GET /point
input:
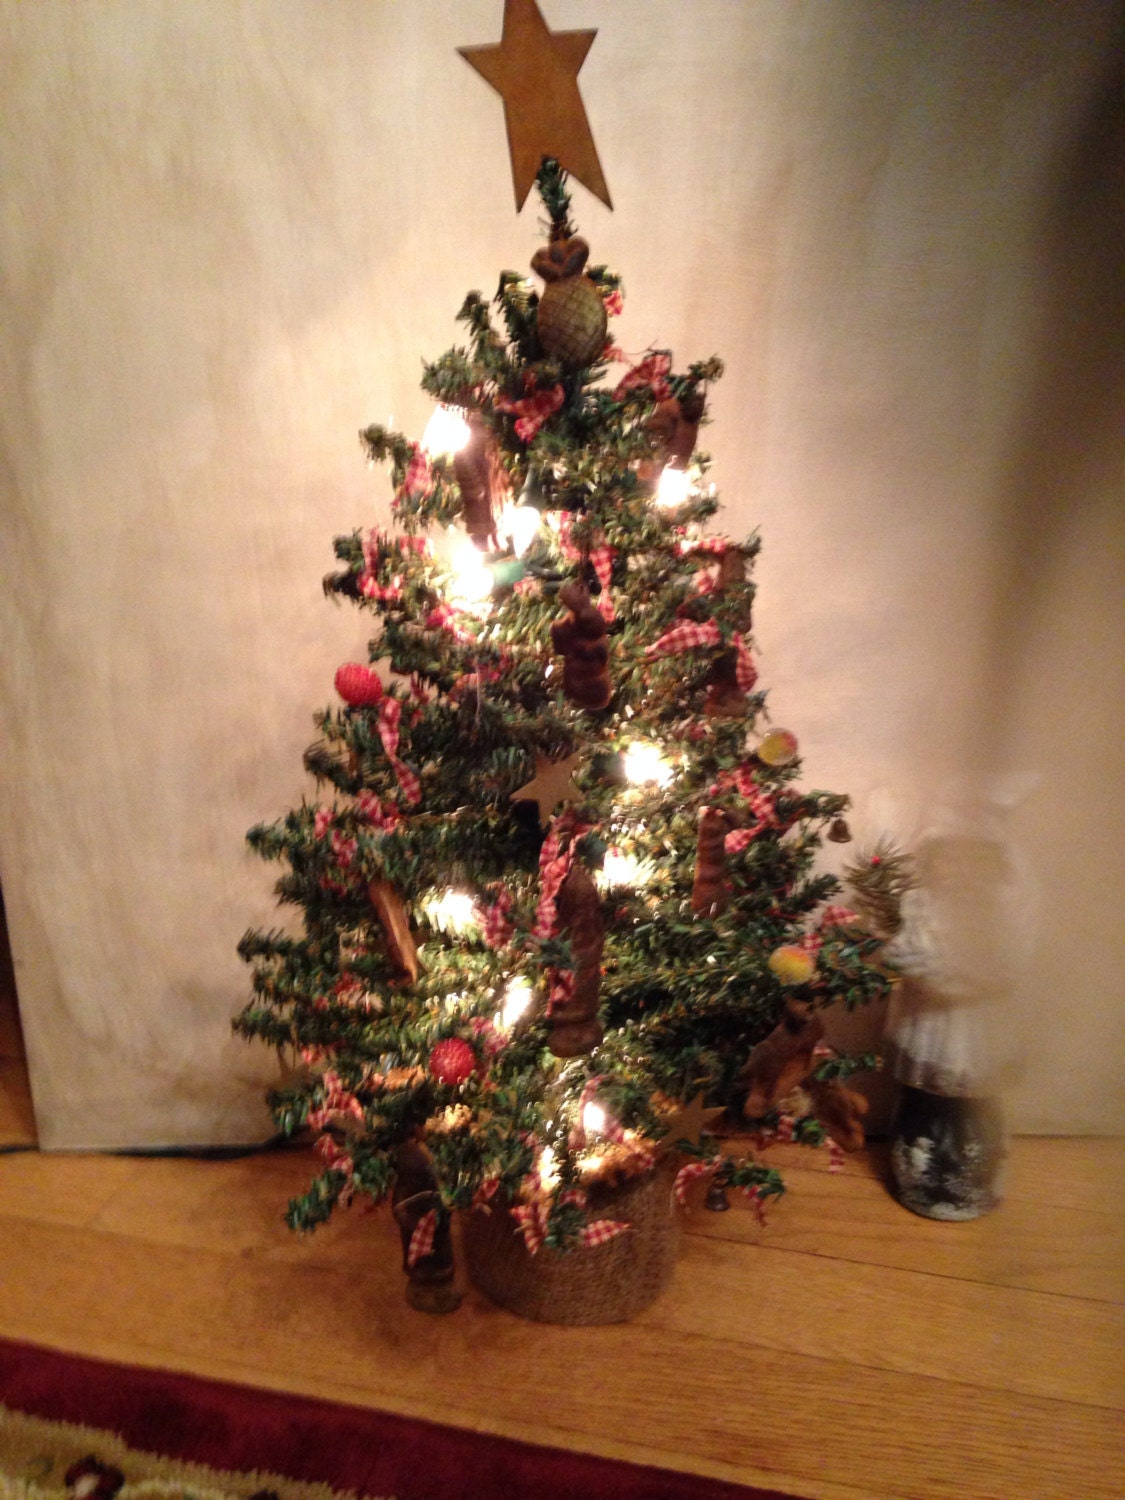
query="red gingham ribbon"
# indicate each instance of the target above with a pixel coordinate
(691, 1172)
(785, 1127)
(835, 1154)
(601, 1231)
(745, 672)
(600, 556)
(445, 617)
(739, 838)
(754, 1198)
(495, 921)
(838, 916)
(418, 480)
(533, 409)
(651, 371)
(422, 1240)
(336, 1159)
(531, 1221)
(390, 711)
(554, 863)
(718, 546)
(686, 637)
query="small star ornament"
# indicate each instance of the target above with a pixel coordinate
(690, 1121)
(552, 783)
(535, 71)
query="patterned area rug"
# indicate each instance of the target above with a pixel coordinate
(80, 1429)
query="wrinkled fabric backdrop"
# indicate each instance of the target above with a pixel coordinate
(232, 229)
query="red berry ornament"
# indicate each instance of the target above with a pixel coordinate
(359, 686)
(452, 1061)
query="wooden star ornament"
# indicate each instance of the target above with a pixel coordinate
(551, 784)
(535, 71)
(689, 1122)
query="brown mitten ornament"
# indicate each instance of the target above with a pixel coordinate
(429, 1287)
(779, 1063)
(483, 482)
(725, 699)
(579, 638)
(710, 892)
(575, 1028)
(572, 318)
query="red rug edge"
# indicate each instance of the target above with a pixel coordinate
(243, 1428)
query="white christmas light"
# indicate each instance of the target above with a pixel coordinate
(548, 1169)
(472, 582)
(593, 1118)
(517, 997)
(452, 911)
(520, 524)
(643, 763)
(621, 869)
(446, 432)
(673, 488)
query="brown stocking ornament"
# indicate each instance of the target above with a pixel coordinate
(710, 892)
(429, 1286)
(580, 639)
(483, 482)
(574, 1023)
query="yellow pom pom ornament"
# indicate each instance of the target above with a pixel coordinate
(792, 965)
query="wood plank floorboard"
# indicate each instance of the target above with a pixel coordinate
(845, 1350)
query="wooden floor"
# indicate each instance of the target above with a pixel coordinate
(846, 1349)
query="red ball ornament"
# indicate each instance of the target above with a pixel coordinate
(359, 686)
(452, 1061)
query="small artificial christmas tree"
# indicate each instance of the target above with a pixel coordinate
(562, 888)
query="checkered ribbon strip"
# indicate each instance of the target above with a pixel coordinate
(786, 1125)
(531, 1221)
(554, 863)
(445, 617)
(600, 557)
(754, 1198)
(835, 1154)
(718, 546)
(496, 923)
(422, 1240)
(838, 916)
(390, 712)
(745, 672)
(418, 481)
(691, 1172)
(336, 1159)
(687, 636)
(601, 1231)
(739, 838)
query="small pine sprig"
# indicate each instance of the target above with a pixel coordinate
(551, 181)
(876, 883)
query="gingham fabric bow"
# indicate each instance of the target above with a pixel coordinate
(422, 1240)
(390, 712)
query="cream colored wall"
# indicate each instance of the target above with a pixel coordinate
(230, 231)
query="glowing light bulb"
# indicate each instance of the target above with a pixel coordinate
(593, 1118)
(643, 763)
(673, 488)
(520, 524)
(446, 432)
(621, 869)
(452, 911)
(548, 1168)
(472, 581)
(517, 998)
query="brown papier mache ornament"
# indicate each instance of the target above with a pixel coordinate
(710, 891)
(580, 639)
(395, 922)
(673, 429)
(429, 1286)
(483, 483)
(575, 1027)
(572, 318)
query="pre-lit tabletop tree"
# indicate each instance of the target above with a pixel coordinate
(560, 886)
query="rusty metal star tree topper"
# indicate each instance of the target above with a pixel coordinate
(535, 71)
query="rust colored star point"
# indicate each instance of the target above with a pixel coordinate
(535, 71)
(552, 783)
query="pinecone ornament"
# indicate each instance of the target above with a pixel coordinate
(572, 318)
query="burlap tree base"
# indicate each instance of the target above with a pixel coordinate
(599, 1284)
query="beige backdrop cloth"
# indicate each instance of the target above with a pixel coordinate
(231, 230)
